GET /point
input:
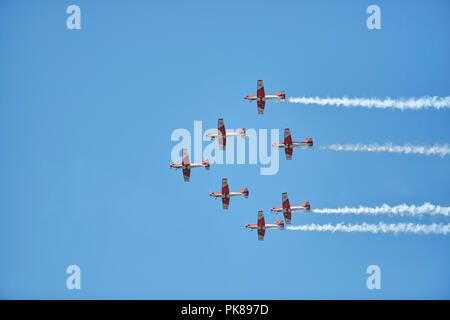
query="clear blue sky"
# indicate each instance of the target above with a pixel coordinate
(85, 123)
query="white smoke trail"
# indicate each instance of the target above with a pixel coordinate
(441, 150)
(376, 228)
(402, 104)
(400, 210)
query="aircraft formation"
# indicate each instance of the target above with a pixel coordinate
(288, 145)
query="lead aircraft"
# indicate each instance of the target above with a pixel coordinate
(186, 165)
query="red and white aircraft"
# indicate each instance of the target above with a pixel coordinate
(261, 97)
(289, 145)
(261, 226)
(287, 208)
(222, 134)
(226, 194)
(186, 165)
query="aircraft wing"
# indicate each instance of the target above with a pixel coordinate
(261, 105)
(286, 207)
(185, 160)
(287, 136)
(261, 233)
(225, 202)
(226, 193)
(221, 126)
(222, 134)
(288, 144)
(285, 200)
(186, 164)
(261, 97)
(260, 89)
(287, 216)
(222, 142)
(261, 226)
(225, 189)
(288, 151)
(187, 174)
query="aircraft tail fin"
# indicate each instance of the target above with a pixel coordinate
(206, 164)
(309, 142)
(306, 205)
(282, 95)
(244, 191)
(242, 132)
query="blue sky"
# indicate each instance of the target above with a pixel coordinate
(85, 125)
